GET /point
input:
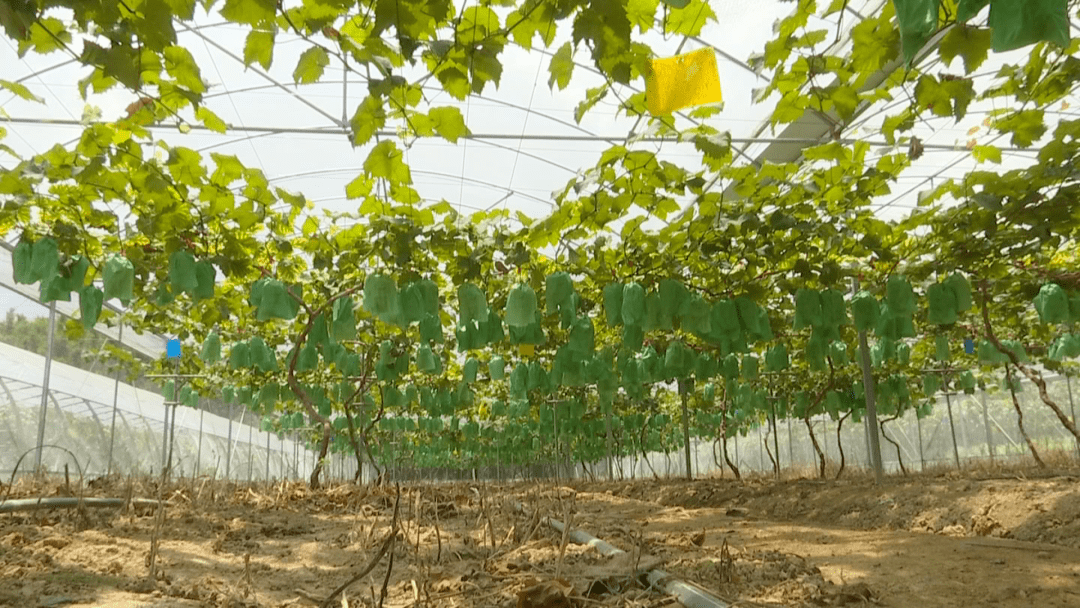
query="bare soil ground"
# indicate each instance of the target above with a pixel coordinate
(926, 541)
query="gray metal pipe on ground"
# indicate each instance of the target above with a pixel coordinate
(688, 594)
(41, 504)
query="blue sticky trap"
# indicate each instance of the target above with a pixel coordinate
(969, 346)
(172, 349)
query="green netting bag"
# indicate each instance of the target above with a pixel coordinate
(748, 317)
(168, 390)
(262, 356)
(557, 290)
(988, 353)
(425, 360)
(119, 279)
(724, 320)
(833, 308)
(239, 356)
(900, 296)
(967, 382)
(472, 303)
(430, 292)
(535, 379)
(308, 358)
(519, 379)
(185, 394)
(205, 278)
(468, 337)
(730, 368)
(343, 320)
(273, 301)
(1017, 349)
(674, 301)
(807, 308)
(696, 316)
(228, 394)
(633, 337)
(412, 303)
(776, 358)
(582, 339)
(941, 348)
(633, 304)
(865, 311)
(182, 272)
(749, 367)
(652, 320)
(469, 370)
(882, 350)
(764, 325)
(243, 395)
(678, 360)
(1070, 346)
(1018, 23)
(931, 383)
(961, 289)
(57, 287)
(162, 296)
(76, 271)
(431, 329)
(45, 260)
(838, 353)
(710, 392)
(521, 306)
(903, 353)
(380, 295)
(21, 262)
(349, 364)
(90, 301)
(319, 335)
(211, 348)
(706, 367)
(1052, 304)
(941, 303)
(888, 325)
(613, 296)
(815, 352)
(492, 331)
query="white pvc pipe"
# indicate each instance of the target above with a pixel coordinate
(689, 595)
(40, 504)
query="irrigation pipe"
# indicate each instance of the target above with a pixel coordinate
(40, 504)
(689, 594)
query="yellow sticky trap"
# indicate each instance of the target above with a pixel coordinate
(526, 350)
(681, 81)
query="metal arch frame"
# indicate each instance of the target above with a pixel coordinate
(480, 182)
(494, 100)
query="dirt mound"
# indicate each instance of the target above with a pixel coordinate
(1040, 510)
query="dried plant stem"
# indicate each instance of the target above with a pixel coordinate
(374, 561)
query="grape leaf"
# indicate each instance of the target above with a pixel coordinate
(561, 67)
(311, 65)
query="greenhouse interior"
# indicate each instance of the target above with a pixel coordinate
(814, 260)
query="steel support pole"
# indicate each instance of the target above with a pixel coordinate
(871, 407)
(251, 452)
(198, 456)
(952, 430)
(922, 456)
(686, 432)
(228, 447)
(986, 424)
(267, 457)
(45, 387)
(115, 403)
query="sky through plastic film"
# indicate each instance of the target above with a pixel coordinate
(526, 143)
